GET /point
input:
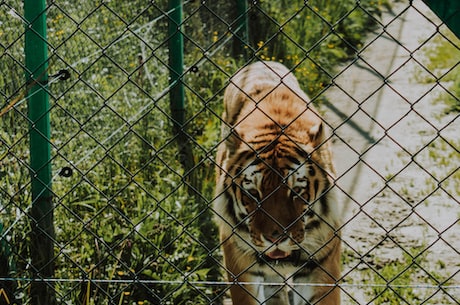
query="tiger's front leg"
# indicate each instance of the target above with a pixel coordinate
(247, 294)
(275, 294)
(244, 290)
(317, 284)
(259, 292)
(319, 295)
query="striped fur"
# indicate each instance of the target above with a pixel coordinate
(275, 203)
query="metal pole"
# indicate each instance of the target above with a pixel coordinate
(177, 105)
(242, 33)
(42, 235)
(177, 94)
(176, 62)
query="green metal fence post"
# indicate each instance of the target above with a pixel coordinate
(242, 34)
(177, 104)
(42, 235)
(176, 62)
(177, 93)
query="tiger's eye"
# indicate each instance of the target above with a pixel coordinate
(253, 193)
(296, 190)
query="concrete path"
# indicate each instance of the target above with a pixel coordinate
(389, 140)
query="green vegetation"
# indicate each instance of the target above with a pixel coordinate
(304, 37)
(394, 281)
(442, 62)
(126, 212)
(445, 155)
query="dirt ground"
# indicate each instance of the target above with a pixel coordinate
(396, 152)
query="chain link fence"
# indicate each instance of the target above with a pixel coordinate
(126, 216)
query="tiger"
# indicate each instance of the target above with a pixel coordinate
(276, 207)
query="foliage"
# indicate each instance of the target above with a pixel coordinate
(441, 60)
(126, 212)
(313, 37)
(393, 281)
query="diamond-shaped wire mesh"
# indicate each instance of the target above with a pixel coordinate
(133, 226)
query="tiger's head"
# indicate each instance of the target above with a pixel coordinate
(274, 171)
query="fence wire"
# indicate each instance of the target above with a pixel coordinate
(133, 226)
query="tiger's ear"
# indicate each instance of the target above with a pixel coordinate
(316, 133)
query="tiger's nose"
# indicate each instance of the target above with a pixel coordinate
(275, 237)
